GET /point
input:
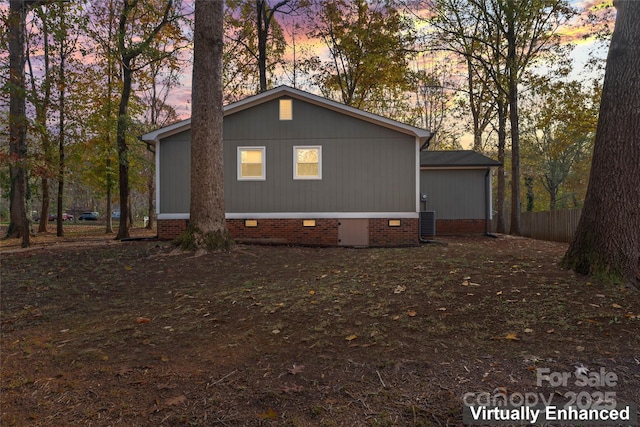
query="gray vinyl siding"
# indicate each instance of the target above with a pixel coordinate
(175, 166)
(454, 193)
(365, 167)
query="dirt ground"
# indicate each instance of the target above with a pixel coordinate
(103, 333)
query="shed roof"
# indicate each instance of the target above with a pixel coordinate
(455, 158)
(422, 134)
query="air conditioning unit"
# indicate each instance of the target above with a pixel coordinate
(427, 223)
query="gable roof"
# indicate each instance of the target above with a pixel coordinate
(422, 134)
(455, 158)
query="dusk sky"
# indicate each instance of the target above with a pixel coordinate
(180, 97)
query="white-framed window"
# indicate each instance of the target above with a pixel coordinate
(251, 164)
(307, 162)
(286, 109)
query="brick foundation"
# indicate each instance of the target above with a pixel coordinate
(450, 227)
(292, 231)
(288, 231)
(380, 234)
(169, 229)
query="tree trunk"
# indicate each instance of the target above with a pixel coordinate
(61, 164)
(607, 240)
(515, 128)
(44, 209)
(19, 223)
(502, 142)
(109, 176)
(207, 227)
(528, 183)
(151, 193)
(123, 149)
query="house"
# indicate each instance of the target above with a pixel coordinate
(301, 169)
(456, 185)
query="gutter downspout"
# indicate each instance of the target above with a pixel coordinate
(487, 204)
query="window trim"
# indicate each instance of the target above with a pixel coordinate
(295, 162)
(263, 177)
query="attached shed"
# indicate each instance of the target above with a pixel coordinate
(456, 187)
(301, 169)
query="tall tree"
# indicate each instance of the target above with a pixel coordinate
(207, 228)
(41, 82)
(257, 42)
(135, 49)
(19, 224)
(607, 240)
(370, 45)
(506, 38)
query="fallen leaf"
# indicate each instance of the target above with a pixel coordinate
(296, 369)
(124, 371)
(396, 317)
(312, 292)
(399, 289)
(499, 293)
(172, 401)
(143, 320)
(512, 337)
(293, 388)
(411, 313)
(351, 337)
(441, 309)
(550, 331)
(616, 306)
(528, 330)
(269, 415)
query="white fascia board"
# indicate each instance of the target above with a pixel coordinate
(167, 131)
(320, 215)
(429, 168)
(302, 215)
(418, 146)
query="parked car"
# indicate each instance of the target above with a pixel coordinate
(65, 217)
(88, 216)
(115, 215)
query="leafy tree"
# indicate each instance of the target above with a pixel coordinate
(40, 97)
(261, 38)
(370, 45)
(207, 228)
(106, 74)
(69, 24)
(505, 38)
(140, 26)
(459, 28)
(558, 132)
(607, 240)
(456, 30)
